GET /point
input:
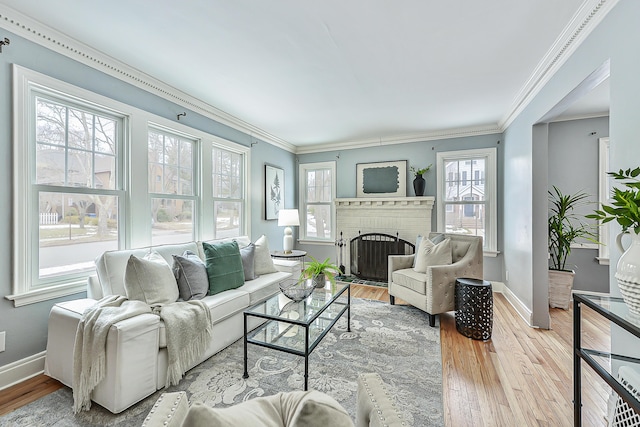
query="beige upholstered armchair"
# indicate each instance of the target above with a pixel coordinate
(434, 290)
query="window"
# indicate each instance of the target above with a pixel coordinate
(228, 192)
(317, 191)
(69, 188)
(468, 206)
(78, 184)
(171, 177)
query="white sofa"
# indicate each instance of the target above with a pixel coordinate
(136, 354)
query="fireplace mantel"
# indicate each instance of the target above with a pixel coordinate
(405, 217)
(385, 201)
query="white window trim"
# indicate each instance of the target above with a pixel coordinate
(603, 197)
(302, 185)
(135, 224)
(491, 191)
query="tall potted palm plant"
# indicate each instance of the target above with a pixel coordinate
(566, 227)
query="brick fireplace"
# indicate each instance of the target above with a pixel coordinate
(406, 216)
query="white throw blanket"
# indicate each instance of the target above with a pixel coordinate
(188, 331)
(91, 339)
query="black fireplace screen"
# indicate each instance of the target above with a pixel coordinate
(370, 252)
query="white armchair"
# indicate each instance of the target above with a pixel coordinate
(434, 291)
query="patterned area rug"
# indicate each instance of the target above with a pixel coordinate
(354, 279)
(395, 341)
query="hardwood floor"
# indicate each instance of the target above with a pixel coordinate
(521, 377)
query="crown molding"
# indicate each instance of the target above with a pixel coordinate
(582, 116)
(58, 42)
(401, 139)
(586, 19)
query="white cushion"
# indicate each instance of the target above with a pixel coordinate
(263, 263)
(150, 279)
(429, 254)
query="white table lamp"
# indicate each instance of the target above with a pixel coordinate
(288, 218)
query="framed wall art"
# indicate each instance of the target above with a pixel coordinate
(381, 179)
(273, 191)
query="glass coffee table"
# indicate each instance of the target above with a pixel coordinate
(297, 327)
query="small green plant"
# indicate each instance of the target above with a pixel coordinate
(565, 226)
(419, 171)
(625, 206)
(316, 267)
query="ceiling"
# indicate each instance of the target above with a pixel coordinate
(312, 73)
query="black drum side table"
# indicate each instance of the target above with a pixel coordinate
(474, 308)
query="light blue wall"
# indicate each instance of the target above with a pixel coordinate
(616, 38)
(26, 326)
(573, 167)
(418, 154)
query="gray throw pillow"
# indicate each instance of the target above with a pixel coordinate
(248, 254)
(263, 262)
(191, 275)
(224, 266)
(150, 279)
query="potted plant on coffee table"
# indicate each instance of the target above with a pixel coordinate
(320, 272)
(565, 228)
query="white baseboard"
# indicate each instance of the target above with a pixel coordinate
(21, 370)
(515, 302)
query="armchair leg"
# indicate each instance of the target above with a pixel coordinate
(392, 299)
(432, 320)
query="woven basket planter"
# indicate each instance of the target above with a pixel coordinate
(560, 285)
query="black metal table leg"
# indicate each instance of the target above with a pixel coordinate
(577, 374)
(306, 358)
(246, 372)
(349, 309)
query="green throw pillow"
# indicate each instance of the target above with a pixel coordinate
(224, 266)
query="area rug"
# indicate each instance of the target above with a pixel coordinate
(394, 341)
(354, 279)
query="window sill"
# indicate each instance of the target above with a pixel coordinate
(490, 254)
(603, 261)
(32, 297)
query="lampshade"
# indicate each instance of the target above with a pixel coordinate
(288, 217)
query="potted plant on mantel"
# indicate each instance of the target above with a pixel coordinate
(419, 183)
(320, 272)
(565, 228)
(625, 209)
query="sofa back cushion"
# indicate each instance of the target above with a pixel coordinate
(224, 266)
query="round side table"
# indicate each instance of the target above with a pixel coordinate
(474, 308)
(295, 254)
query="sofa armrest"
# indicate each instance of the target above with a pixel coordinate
(168, 411)
(94, 289)
(375, 407)
(399, 262)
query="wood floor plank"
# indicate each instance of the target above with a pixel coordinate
(521, 377)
